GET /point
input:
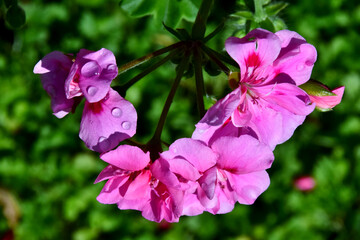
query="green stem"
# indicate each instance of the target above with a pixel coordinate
(215, 59)
(216, 31)
(199, 81)
(148, 70)
(145, 58)
(199, 27)
(154, 145)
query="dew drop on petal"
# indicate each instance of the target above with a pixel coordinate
(126, 125)
(51, 90)
(91, 90)
(116, 112)
(90, 69)
(111, 67)
(300, 67)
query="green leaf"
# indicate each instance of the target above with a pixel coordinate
(245, 14)
(171, 12)
(199, 26)
(15, 16)
(275, 8)
(268, 25)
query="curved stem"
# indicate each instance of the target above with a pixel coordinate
(145, 58)
(148, 70)
(212, 55)
(199, 81)
(154, 145)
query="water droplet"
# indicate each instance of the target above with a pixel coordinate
(90, 69)
(111, 67)
(91, 90)
(116, 112)
(126, 125)
(300, 67)
(51, 90)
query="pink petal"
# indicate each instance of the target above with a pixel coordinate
(257, 50)
(184, 168)
(160, 170)
(328, 102)
(127, 157)
(196, 152)
(97, 73)
(249, 186)
(192, 205)
(110, 192)
(107, 173)
(106, 123)
(296, 58)
(54, 68)
(208, 182)
(288, 96)
(138, 188)
(244, 154)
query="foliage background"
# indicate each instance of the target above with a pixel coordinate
(46, 173)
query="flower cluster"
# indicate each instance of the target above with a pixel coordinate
(226, 158)
(107, 118)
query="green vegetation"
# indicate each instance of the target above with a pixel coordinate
(47, 174)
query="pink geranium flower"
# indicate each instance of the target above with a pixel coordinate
(136, 183)
(326, 103)
(107, 117)
(305, 183)
(267, 101)
(230, 170)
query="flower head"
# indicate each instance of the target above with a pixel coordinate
(136, 183)
(267, 99)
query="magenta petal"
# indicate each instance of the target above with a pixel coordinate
(160, 170)
(110, 192)
(242, 155)
(106, 173)
(184, 168)
(139, 188)
(297, 57)
(106, 123)
(96, 74)
(54, 69)
(127, 157)
(208, 182)
(288, 96)
(257, 50)
(192, 205)
(249, 186)
(194, 151)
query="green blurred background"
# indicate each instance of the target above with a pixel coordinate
(47, 174)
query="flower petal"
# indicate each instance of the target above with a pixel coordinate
(54, 69)
(328, 102)
(249, 186)
(194, 151)
(108, 122)
(242, 155)
(257, 50)
(296, 58)
(127, 157)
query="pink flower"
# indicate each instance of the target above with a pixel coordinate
(136, 183)
(326, 103)
(107, 117)
(267, 101)
(305, 183)
(231, 170)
